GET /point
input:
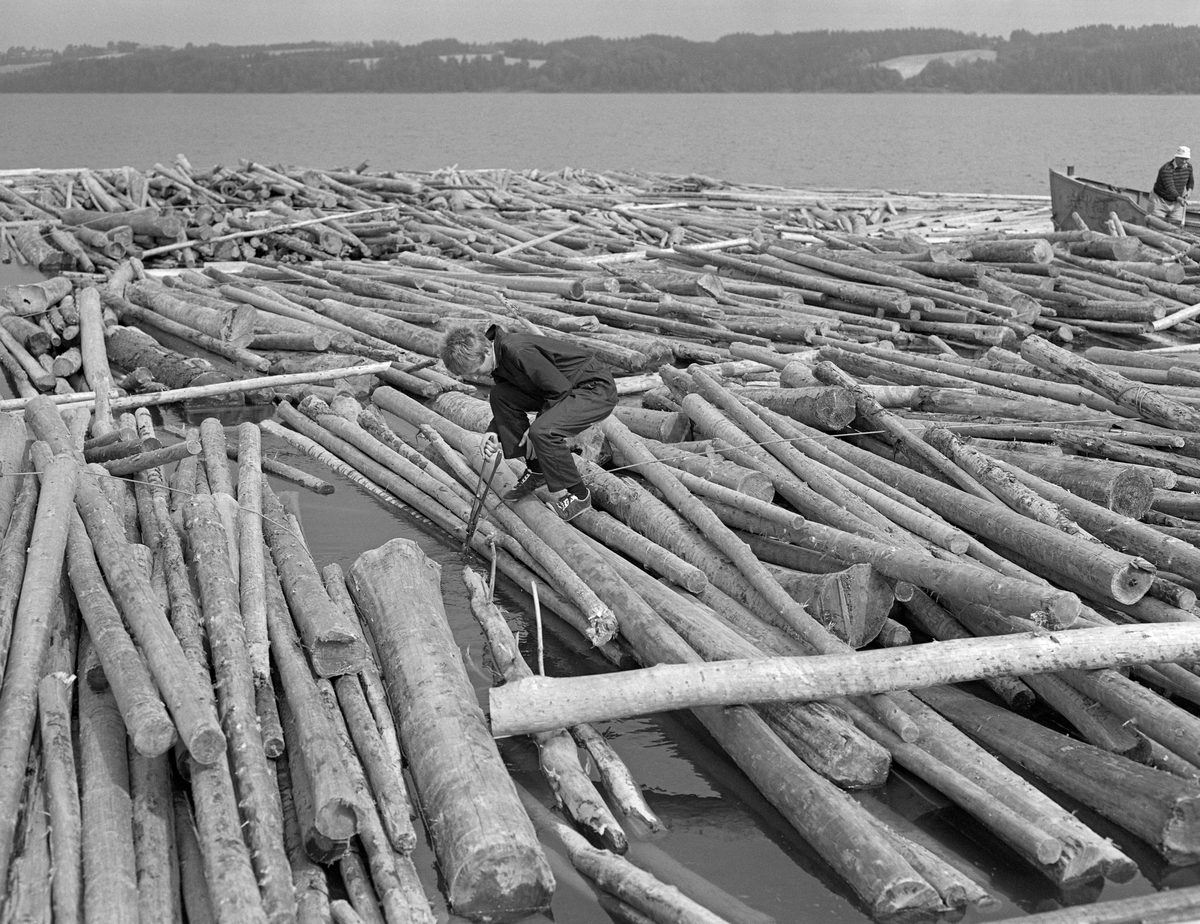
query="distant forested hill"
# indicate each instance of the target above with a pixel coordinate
(1094, 59)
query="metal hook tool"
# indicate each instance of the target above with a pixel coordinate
(481, 489)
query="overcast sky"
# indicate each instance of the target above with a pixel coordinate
(57, 23)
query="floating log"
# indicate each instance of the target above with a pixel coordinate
(37, 298)
(109, 873)
(492, 868)
(1158, 807)
(30, 641)
(559, 759)
(332, 644)
(852, 603)
(134, 692)
(540, 703)
(62, 795)
(1143, 401)
(1122, 489)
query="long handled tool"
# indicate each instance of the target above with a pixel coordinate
(487, 473)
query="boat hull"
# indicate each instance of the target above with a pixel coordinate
(1094, 201)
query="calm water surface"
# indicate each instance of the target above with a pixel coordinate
(985, 143)
(719, 826)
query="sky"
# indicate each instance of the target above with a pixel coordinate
(57, 23)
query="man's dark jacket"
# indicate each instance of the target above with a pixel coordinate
(542, 367)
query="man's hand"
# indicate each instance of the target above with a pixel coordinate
(490, 447)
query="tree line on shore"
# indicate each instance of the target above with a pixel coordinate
(1090, 59)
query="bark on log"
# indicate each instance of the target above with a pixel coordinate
(490, 868)
(1143, 401)
(1123, 489)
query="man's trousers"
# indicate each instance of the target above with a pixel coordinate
(588, 403)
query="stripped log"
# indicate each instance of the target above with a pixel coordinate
(1030, 841)
(572, 788)
(486, 846)
(377, 747)
(95, 357)
(1001, 483)
(312, 888)
(36, 298)
(1118, 576)
(62, 796)
(88, 399)
(333, 646)
(315, 743)
(13, 557)
(142, 710)
(634, 886)
(251, 579)
(190, 708)
(541, 702)
(234, 325)
(816, 808)
(157, 863)
(193, 885)
(109, 871)
(819, 733)
(826, 408)
(30, 641)
(235, 690)
(399, 899)
(1159, 807)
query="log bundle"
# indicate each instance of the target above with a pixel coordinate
(847, 422)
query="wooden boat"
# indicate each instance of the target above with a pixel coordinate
(1093, 201)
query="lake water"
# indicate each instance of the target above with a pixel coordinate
(985, 143)
(719, 827)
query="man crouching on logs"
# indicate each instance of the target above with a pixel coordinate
(565, 385)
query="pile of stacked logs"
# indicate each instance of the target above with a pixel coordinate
(831, 438)
(173, 215)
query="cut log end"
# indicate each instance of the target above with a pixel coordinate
(507, 890)
(153, 740)
(337, 820)
(1130, 584)
(206, 745)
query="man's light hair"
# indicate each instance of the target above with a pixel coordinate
(463, 348)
